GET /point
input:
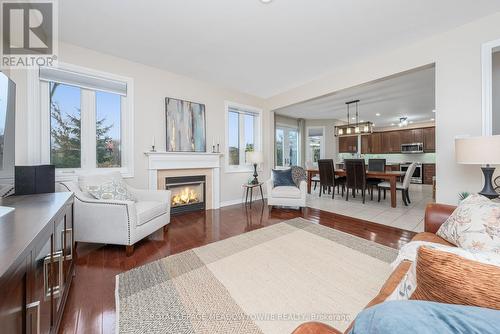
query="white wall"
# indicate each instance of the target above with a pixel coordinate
(457, 55)
(151, 85)
(496, 92)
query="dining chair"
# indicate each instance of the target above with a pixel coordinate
(375, 165)
(327, 177)
(403, 186)
(315, 178)
(355, 170)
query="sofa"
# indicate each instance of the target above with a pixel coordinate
(435, 216)
(286, 195)
(117, 222)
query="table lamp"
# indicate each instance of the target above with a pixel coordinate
(255, 158)
(483, 151)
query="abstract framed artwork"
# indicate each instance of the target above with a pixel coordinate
(185, 126)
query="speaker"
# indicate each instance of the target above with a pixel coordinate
(35, 179)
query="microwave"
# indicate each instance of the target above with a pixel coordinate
(412, 148)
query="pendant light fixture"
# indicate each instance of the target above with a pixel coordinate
(358, 128)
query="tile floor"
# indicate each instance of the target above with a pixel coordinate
(409, 217)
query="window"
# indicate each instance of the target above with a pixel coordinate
(108, 111)
(315, 144)
(243, 126)
(287, 146)
(88, 115)
(65, 129)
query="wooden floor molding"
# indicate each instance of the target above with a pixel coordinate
(91, 302)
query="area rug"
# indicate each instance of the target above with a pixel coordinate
(269, 280)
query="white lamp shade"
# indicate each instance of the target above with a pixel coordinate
(255, 157)
(483, 150)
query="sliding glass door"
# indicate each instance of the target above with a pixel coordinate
(287, 146)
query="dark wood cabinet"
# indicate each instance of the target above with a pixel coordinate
(429, 171)
(366, 144)
(36, 262)
(376, 143)
(348, 144)
(391, 142)
(429, 139)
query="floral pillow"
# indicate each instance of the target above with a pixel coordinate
(474, 225)
(111, 190)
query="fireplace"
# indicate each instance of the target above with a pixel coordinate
(188, 193)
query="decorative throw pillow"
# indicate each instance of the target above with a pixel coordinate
(111, 190)
(298, 175)
(449, 278)
(474, 225)
(283, 177)
(408, 252)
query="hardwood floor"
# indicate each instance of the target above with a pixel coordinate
(91, 302)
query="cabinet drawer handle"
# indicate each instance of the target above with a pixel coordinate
(54, 290)
(64, 238)
(33, 313)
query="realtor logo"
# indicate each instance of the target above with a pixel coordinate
(28, 33)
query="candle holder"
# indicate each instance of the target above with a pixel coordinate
(213, 148)
(218, 148)
(153, 148)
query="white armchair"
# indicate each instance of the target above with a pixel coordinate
(113, 221)
(286, 195)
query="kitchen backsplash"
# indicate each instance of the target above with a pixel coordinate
(428, 158)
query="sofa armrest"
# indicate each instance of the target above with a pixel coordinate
(151, 195)
(269, 187)
(315, 328)
(436, 215)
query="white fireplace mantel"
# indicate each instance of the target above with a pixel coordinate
(185, 160)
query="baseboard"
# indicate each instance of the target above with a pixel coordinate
(239, 201)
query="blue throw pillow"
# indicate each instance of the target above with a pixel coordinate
(283, 177)
(423, 317)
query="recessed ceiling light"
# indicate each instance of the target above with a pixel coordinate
(432, 119)
(392, 124)
(361, 120)
(377, 114)
(411, 122)
(266, 1)
(434, 111)
(353, 118)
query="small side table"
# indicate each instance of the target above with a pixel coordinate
(249, 188)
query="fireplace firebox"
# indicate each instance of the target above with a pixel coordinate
(188, 193)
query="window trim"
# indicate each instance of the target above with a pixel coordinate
(242, 168)
(87, 98)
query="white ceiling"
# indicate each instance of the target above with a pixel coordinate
(410, 94)
(257, 48)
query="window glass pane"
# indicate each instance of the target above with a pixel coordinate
(293, 138)
(233, 138)
(280, 136)
(249, 124)
(108, 129)
(65, 125)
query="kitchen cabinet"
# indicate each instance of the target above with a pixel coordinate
(366, 144)
(348, 144)
(36, 262)
(429, 173)
(391, 142)
(429, 139)
(376, 143)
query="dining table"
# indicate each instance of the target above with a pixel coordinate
(390, 176)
